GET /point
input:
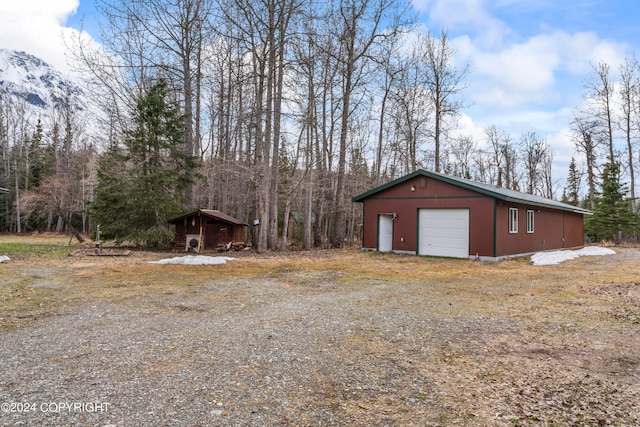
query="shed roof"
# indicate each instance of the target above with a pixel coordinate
(3, 190)
(210, 213)
(486, 189)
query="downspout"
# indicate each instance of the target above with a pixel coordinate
(362, 233)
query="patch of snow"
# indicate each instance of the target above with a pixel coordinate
(556, 257)
(595, 251)
(195, 260)
(4, 258)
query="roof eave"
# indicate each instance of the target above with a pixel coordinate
(477, 189)
(568, 208)
(204, 212)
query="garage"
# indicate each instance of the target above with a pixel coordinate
(443, 232)
(430, 213)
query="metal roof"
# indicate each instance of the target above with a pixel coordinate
(486, 189)
(211, 213)
(3, 191)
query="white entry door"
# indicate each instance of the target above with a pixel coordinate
(443, 232)
(385, 233)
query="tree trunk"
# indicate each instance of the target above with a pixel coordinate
(285, 224)
(273, 128)
(18, 219)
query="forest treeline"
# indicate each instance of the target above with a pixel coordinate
(281, 111)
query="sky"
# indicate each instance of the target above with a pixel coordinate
(529, 59)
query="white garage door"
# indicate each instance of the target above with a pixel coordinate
(443, 232)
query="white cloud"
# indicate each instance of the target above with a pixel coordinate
(467, 127)
(40, 25)
(563, 148)
(579, 50)
(512, 70)
(467, 15)
(456, 12)
(531, 72)
(57, 10)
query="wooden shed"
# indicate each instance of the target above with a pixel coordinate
(207, 230)
(429, 213)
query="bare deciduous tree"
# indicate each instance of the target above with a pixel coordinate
(534, 153)
(463, 149)
(587, 142)
(629, 121)
(600, 94)
(444, 82)
(412, 111)
(361, 24)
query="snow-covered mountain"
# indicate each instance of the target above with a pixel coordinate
(29, 83)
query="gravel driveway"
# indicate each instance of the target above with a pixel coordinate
(333, 350)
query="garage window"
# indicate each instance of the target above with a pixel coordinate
(513, 220)
(530, 218)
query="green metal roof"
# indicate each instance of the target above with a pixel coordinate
(486, 189)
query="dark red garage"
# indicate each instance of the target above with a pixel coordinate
(429, 213)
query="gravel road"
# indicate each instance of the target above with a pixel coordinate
(270, 352)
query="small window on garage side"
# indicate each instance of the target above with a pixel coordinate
(513, 220)
(530, 221)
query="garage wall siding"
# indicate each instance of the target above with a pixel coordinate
(547, 233)
(553, 229)
(428, 193)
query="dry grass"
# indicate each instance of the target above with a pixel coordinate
(503, 343)
(35, 285)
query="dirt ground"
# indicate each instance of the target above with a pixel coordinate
(320, 338)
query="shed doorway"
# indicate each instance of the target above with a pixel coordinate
(385, 233)
(443, 232)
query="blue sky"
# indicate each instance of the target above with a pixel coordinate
(529, 58)
(85, 17)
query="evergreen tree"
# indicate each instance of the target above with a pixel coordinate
(37, 162)
(111, 208)
(612, 217)
(571, 193)
(144, 184)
